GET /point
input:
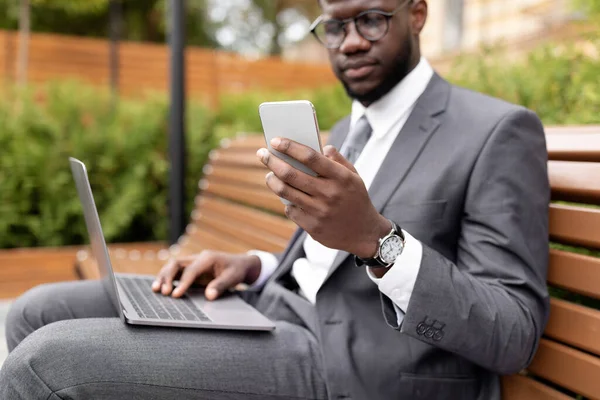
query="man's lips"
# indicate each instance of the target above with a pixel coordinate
(358, 70)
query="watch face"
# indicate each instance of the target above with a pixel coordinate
(391, 248)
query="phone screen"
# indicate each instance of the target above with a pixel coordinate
(295, 120)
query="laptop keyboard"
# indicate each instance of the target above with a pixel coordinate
(156, 306)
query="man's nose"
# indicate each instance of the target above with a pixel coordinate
(354, 42)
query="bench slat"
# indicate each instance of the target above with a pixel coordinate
(244, 176)
(275, 225)
(571, 129)
(569, 368)
(246, 159)
(575, 325)
(518, 387)
(574, 146)
(575, 181)
(257, 197)
(575, 225)
(120, 259)
(257, 240)
(246, 141)
(208, 238)
(575, 272)
(563, 143)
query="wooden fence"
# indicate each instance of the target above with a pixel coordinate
(144, 67)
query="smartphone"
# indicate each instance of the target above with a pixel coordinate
(295, 120)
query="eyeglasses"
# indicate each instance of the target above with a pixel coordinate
(371, 25)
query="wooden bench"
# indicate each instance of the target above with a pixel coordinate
(236, 212)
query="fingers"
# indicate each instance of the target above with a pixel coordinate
(332, 153)
(307, 156)
(288, 173)
(164, 280)
(229, 278)
(201, 264)
(297, 215)
(287, 192)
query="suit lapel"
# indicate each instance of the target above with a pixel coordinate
(419, 127)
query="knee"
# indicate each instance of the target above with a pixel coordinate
(26, 315)
(16, 374)
(28, 370)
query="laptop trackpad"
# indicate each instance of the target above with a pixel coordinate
(228, 308)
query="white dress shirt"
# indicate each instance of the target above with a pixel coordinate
(387, 117)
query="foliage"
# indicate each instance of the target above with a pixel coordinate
(261, 25)
(74, 7)
(589, 7)
(143, 20)
(559, 83)
(125, 150)
(239, 112)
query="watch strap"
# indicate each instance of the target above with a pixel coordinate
(376, 261)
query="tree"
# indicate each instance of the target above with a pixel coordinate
(273, 11)
(590, 7)
(143, 20)
(260, 26)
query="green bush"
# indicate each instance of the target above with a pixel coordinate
(559, 83)
(239, 113)
(124, 148)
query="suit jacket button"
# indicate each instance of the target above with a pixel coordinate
(429, 333)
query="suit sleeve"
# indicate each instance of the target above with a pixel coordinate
(491, 305)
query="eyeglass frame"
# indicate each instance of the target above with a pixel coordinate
(343, 22)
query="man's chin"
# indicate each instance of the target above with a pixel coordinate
(364, 92)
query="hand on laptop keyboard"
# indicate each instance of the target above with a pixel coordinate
(225, 271)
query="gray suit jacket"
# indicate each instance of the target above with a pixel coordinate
(467, 177)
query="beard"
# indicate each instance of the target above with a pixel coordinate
(401, 67)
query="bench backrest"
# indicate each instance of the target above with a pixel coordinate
(567, 363)
(236, 211)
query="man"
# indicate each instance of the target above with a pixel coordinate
(448, 187)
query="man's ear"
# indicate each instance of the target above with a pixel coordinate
(418, 15)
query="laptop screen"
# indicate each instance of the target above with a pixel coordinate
(92, 222)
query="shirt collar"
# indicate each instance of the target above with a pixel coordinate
(387, 111)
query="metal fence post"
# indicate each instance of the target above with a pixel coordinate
(115, 18)
(177, 121)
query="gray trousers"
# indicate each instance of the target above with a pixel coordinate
(66, 342)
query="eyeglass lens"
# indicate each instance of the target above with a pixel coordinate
(371, 25)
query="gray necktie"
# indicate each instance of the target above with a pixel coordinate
(357, 139)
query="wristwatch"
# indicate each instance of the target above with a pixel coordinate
(389, 249)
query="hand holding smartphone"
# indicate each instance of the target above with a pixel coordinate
(294, 120)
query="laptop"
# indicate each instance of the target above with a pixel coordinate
(137, 304)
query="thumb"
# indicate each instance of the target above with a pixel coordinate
(332, 153)
(225, 281)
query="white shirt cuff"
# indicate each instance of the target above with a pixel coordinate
(268, 265)
(399, 281)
